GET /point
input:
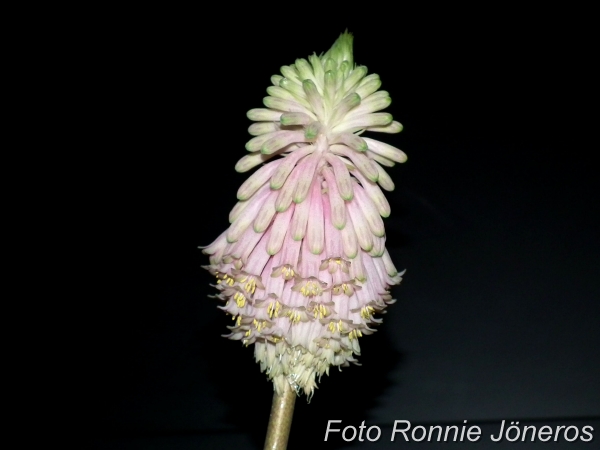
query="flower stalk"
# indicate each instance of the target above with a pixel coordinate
(280, 420)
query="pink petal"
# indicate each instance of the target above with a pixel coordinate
(278, 230)
(342, 176)
(300, 220)
(288, 164)
(305, 181)
(241, 205)
(250, 161)
(337, 205)
(386, 150)
(247, 216)
(369, 210)
(350, 140)
(280, 140)
(362, 163)
(257, 179)
(266, 213)
(384, 179)
(316, 232)
(361, 226)
(375, 195)
(349, 239)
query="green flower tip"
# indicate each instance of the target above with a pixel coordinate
(341, 49)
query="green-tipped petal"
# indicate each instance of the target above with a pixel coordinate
(364, 235)
(386, 150)
(360, 161)
(279, 230)
(256, 180)
(354, 78)
(280, 140)
(250, 161)
(294, 118)
(394, 127)
(314, 97)
(265, 214)
(258, 128)
(306, 178)
(315, 234)
(384, 179)
(368, 85)
(288, 164)
(349, 239)
(351, 140)
(300, 220)
(337, 204)
(262, 114)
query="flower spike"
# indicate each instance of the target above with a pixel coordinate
(303, 267)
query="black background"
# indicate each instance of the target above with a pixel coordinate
(494, 216)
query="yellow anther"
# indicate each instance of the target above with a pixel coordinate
(332, 326)
(223, 277)
(367, 312)
(354, 334)
(261, 325)
(310, 288)
(238, 322)
(273, 309)
(239, 299)
(294, 316)
(319, 311)
(250, 285)
(247, 333)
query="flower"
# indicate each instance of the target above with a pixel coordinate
(303, 267)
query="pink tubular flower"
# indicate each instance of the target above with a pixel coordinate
(303, 267)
